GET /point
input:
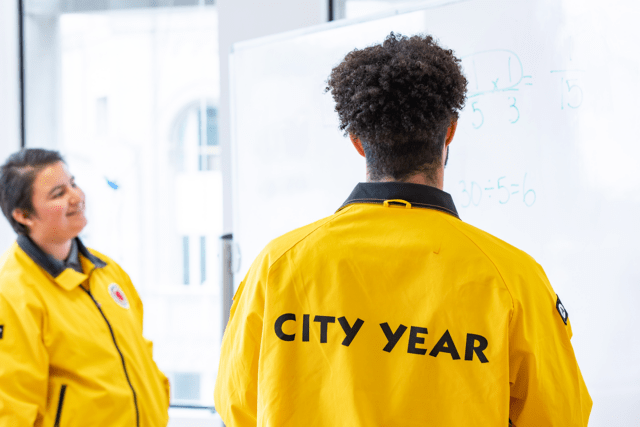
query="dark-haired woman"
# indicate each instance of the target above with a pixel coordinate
(71, 346)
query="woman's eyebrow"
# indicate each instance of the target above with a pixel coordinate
(54, 189)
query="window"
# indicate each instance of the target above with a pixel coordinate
(185, 387)
(347, 9)
(195, 158)
(127, 91)
(209, 147)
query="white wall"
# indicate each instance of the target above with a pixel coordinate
(9, 79)
(9, 95)
(42, 78)
(243, 20)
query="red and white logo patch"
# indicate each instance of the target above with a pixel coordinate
(118, 295)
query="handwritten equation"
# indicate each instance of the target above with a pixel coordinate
(501, 72)
(492, 71)
(501, 190)
(572, 95)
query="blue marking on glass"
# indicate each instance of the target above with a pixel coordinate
(112, 184)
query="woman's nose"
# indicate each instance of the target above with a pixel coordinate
(77, 195)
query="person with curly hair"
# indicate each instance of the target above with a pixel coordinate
(399, 103)
(393, 311)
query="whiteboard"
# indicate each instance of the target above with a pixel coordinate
(545, 157)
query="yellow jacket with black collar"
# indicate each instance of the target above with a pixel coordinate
(394, 312)
(71, 346)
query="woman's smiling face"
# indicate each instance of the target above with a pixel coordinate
(58, 205)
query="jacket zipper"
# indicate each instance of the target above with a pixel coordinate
(63, 389)
(124, 366)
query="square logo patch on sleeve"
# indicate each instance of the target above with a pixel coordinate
(562, 310)
(1, 331)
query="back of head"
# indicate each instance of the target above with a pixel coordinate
(16, 181)
(399, 98)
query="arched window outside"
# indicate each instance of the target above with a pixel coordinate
(196, 146)
(195, 157)
(128, 90)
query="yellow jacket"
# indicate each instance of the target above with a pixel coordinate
(397, 314)
(71, 346)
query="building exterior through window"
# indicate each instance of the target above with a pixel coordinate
(128, 92)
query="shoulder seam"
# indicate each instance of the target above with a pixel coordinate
(26, 272)
(492, 262)
(326, 220)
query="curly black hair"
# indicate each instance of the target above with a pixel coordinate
(399, 98)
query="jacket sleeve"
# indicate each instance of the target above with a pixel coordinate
(236, 390)
(24, 361)
(547, 388)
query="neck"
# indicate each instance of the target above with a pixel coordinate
(419, 178)
(58, 250)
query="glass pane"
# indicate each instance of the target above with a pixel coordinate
(185, 260)
(212, 126)
(203, 259)
(186, 387)
(359, 8)
(126, 91)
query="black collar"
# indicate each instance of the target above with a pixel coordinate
(73, 259)
(422, 196)
(48, 263)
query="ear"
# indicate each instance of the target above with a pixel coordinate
(357, 144)
(451, 131)
(22, 217)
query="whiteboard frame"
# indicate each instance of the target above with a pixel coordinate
(429, 4)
